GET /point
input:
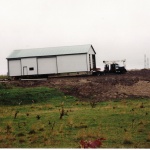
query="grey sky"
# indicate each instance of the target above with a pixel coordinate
(117, 29)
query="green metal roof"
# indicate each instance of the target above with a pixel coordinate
(50, 51)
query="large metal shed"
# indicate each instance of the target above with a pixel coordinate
(52, 60)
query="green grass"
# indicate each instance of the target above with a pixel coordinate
(3, 77)
(124, 123)
(14, 96)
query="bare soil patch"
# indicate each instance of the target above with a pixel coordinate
(133, 84)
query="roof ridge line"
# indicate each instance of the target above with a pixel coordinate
(52, 47)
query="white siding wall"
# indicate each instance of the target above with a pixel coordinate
(89, 61)
(14, 67)
(27, 65)
(47, 65)
(72, 63)
(90, 52)
(87, 58)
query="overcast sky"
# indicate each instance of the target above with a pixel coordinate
(117, 29)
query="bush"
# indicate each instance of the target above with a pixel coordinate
(5, 86)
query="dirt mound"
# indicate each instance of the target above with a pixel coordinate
(100, 88)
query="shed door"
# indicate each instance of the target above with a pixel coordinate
(72, 63)
(25, 70)
(14, 67)
(47, 65)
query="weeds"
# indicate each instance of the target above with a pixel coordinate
(20, 134)
(70, 123)
(53, 125)
(127, 141)
(62, 112)
(16, 113)
(33, 139)
(141, 129)
(142, 105)
(93, 103)
(80, 126)
(88, 134)
(27, 114)
(32, 131)
(148, 138)
(61, 128)
(38, 117)
(41, 129)
(133, 120)
(8, 129)
(22, 140)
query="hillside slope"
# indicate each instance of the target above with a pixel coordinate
(134, 84)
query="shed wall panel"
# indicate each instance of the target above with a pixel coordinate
(47, 65)
(29, 66)
(89, 58)
(88, 62)
(72, 63)
(14, 67)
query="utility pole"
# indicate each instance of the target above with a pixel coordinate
(145, 61)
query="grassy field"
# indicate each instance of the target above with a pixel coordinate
(61, 121)
(3, 77)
